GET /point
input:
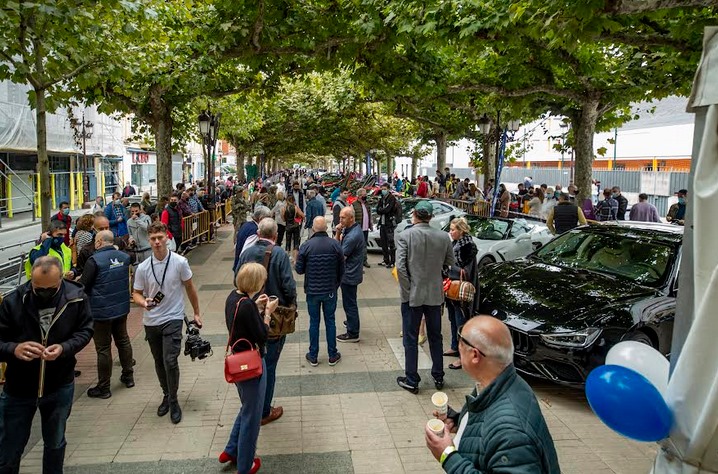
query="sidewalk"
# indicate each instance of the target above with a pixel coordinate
(343, 419)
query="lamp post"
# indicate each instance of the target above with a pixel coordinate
(83, 132)
(209, 129)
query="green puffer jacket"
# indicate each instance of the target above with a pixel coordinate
(505, 432)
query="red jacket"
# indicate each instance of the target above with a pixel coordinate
(423, 189)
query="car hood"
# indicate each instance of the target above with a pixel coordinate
(552, 298)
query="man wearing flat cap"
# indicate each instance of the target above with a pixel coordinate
(421, 254)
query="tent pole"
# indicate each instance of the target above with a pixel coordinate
(685, 304)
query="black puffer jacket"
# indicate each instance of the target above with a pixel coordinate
(71, 327)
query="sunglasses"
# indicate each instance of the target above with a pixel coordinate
(463, 339)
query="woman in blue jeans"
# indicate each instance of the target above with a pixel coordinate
(465, 268)
(247, 314)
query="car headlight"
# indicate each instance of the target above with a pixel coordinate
(577, 339)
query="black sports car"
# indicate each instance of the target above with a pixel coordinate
(568, 303)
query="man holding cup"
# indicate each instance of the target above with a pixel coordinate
(502, 405)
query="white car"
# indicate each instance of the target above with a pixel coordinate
(500, 239)
(443, 213)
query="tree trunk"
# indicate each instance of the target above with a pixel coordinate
(440, 140)
(162, 124)
(488, 165)
(43, 161)
(584, 123)
(240, 166)
(414, 165)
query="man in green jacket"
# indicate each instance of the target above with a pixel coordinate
(500, 429)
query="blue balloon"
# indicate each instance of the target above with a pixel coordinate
(628, 403)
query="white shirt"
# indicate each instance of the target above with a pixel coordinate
(172, 305)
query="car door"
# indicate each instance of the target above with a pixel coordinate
(518, 243)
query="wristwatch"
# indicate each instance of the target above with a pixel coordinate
(447, 452)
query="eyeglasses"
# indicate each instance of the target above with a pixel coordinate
(463, 339)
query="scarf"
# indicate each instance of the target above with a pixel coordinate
(458, 244)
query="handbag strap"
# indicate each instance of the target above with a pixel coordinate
(231, 331)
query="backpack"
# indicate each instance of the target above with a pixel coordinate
(398, 214)
(289, 215)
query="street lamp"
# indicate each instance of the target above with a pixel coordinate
(209, 129)
(82, 130)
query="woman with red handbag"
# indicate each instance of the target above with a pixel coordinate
(465, 269)
(247, 314)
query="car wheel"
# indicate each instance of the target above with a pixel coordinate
(640, 336)
(486, 261)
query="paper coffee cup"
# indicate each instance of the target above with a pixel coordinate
(441, 402)
(272, 299)
(436, 426)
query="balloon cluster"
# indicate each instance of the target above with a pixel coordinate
(627, 393)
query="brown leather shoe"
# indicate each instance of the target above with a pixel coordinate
(274, 414)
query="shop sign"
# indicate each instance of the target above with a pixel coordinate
(140, 157)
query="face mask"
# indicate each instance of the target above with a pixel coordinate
(614, 195)
(65, 211)
(173, 204)
(117, 202)
(384, 192)
(557, 194)
(57, 241)
(681, 200)
(45, 294)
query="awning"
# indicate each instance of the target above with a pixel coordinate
(693, 387)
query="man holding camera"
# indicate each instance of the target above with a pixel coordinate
(158, 288)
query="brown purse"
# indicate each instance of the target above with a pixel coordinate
(283, 319)
(241, 366)
(460, 290)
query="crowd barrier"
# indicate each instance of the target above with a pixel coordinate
(477, 208)
(200, 224)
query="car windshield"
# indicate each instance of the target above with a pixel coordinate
(486, 229)
(625, 256)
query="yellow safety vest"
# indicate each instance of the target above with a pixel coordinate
(65, 258)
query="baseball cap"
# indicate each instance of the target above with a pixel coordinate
(682, 191)
(424, 208)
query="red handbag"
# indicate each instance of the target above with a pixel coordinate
(241, 366)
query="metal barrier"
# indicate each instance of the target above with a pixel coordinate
(477, 208)
(195, 226)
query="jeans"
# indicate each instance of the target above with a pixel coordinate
(16, 414)
(165, 343)
(242, 441)
(458, 315)
(388, 248)
(351, 309)
(271, 359)
(314, 305)
(410, 321)
(105, 331)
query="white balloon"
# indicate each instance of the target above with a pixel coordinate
(643, 359)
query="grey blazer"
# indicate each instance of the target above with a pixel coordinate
(421, 253)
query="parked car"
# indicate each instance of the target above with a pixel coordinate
(443, 213)
(500, 239)
(569, 302)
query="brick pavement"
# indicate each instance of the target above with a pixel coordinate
(342, 419)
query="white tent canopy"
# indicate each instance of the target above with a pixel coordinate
(693, 387)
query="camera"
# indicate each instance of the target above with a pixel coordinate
(194, 345)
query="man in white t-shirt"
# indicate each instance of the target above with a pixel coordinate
(158, 285)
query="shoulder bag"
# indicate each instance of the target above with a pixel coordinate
(241, 366)
(283, 319)
(460, 290)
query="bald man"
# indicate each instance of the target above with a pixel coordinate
(349, 233)
(322, 260)
(45, 323)
(500, 428)
(107, 283)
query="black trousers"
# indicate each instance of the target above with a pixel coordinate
(105, 332)
(366, 245)
(165, 343)
(280, 234)
(388, 248)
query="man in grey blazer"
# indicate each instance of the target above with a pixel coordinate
(421, 254)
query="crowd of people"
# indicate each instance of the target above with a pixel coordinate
(282, 225)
